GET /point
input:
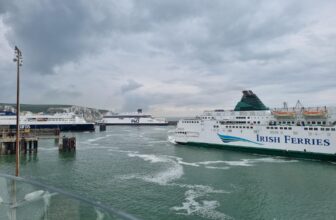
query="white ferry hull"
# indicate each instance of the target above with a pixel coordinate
(136, 121)
(296, 142)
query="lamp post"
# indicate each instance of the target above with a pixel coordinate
(18, 60)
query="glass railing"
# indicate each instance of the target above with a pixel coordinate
(22, 199)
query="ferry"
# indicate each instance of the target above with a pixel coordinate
(134, 118)
(252, 127)
(62, 121)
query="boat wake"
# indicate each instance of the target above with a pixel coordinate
(173, 171)
(171, 139)
(232, 163)
(203, 208)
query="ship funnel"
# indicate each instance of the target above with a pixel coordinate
(250, 102)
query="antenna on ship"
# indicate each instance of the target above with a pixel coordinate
(299, 106)
(19, 61)
(285, 105)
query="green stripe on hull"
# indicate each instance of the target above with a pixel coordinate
(267, 151)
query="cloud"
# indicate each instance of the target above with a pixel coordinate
(174, 55)
(130, 86)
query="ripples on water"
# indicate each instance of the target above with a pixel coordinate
(140, 170)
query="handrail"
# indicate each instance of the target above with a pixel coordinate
(109, 209)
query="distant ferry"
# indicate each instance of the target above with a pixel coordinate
(252, 127)
(63, 121)
(135, 118)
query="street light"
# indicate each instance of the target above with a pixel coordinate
(19, 61)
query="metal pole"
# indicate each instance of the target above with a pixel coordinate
(17, 156)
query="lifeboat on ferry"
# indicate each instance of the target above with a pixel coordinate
(319, 113)
(284, 114)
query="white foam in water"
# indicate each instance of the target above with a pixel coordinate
(100, 215)
(172, 171)
(217, 168)
(246, 162)
(149, 157)
(180, 161)
(98, 138)
(274, 160)
(122, 151)
(203, 208)
(171, 139)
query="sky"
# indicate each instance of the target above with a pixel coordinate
(169, 57)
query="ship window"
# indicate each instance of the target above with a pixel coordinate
(240, 126)
(267, 127)
(258, 122)
(318, 122)
(289, 128)
(276, 128)
(315, 129)
(322, 129)
(285, 128)
(271, 127)
(310, 129)
(327, 129)
(333, 129)
(306, 129)
(308, 122)
(313, 122)
(324, 122)
(281, 128)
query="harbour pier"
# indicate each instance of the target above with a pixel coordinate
(29, 140)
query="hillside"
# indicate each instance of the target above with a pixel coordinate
(90, 114)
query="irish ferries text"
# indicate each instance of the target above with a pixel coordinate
(287, 139)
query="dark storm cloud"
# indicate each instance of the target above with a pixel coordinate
(204, 50)
(55, 32)
(52, 33)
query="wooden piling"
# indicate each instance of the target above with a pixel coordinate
(102, 127)
(68, 144)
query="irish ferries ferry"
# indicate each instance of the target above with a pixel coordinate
(135, 118)
(63, 121)
(252, 127)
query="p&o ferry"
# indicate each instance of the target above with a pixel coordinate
(133, 118)
(252, 127)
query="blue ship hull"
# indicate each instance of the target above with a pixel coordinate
(62, 127)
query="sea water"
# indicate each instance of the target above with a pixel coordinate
(140, 171)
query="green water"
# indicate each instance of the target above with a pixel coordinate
(135, 169)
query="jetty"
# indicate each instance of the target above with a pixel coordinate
(29, 140)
